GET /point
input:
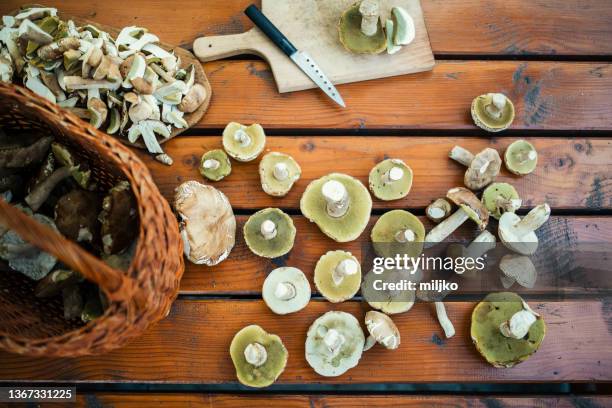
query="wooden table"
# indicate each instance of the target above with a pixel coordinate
(552, 60)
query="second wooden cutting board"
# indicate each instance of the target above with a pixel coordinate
(311, 25)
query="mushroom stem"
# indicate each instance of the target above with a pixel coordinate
(482, 244)
(242, 137)
(211, 164)
(438, 210)
(285, 291)
(532, 221)
(446, 227)
(255, 354)
(495, 109)
(42, 190)
(334, 341)
(508, 205)
(337, 198)
(280, 171)
(525, 156)
(393, 174)
(23, 250)
(369, 17)
(344, 268)
(447, 325)
(461, 155)
(518, 325)
(405, 235)
(268, 229)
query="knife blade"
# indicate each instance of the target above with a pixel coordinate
(300, 58)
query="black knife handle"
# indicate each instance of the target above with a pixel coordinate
(270, 29)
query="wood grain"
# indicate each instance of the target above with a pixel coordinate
(99, 400)
(508, 27)
(572, 173)
(191, 345)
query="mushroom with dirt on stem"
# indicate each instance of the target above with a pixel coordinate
(492, 112)
(518, 234)
(500, 198)
(438, 210)
(269, 233)
(286, 290)
(337, 276)
(391, 179)
(360, 29)
(517, 268)
(278, 172)
(483, 167)
(470, 207)
(521, 158)
(243, 143)
(382, 330)
(215, 165)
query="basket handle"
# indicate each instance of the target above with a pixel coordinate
(117, 285)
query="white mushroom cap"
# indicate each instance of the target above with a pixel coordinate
(286, 290)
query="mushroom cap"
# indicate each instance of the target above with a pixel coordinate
(469, 203)
(224, 169)
(474, 178)
(277, 355)
(388, 301)
(347, 227)
(208, 225)
(76, 215)
(497, 191)
(269, 248)
(318, 355)
(290, 275)
(119, 218)
(235, 149)
(525, 245)
(323, 277)
(497, 349)
(382, 329)
(520, 269)
(35, 264)
(351, 37)
(484, 121)
(513, 161)
(391, 190)
(388, 225)
(270, 184)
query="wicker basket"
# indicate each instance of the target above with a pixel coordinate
(137, 298)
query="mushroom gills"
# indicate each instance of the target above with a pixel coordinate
(278, 172)
(390, 179)
(492, 112)
(215, 165)
(521, 158)
(354, 39)
(398, 232)
(390, 301)
(337, 276)
(243, 143)
(286, 290)
(499, 198)
(269, 233)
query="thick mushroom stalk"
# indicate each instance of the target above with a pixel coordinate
(211, 164)
(508, 204)
(393, 174)
(518, 325)
(255, 354)
(482, 244)
(242, 137)
(285, 291)
(280, 171)
(333, 340)
(532, 221)
(346, 267)
(337, 198)
(495, 109)
(438, 210)
(441, 231)
(445, 323)
(369, 10)
(42, 190)
(268, 229)
(519, 234)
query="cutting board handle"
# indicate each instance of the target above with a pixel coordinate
(223, 46)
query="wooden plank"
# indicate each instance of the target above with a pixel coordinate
(244, 273)
(509, 27)
(191, 345)
(334, 401)
(571, 173)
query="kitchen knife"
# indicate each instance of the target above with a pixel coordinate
(301, 58)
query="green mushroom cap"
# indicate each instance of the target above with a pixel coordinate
(215, 165)
(353, 39)
(350, 224)
(278, 240)
(398, 232)
(521, 158)
(499, 198)
(391, 179)
(243, 143)
(497, 349)
(266, 370)
(492, 113)
(337, 276)
(278, 172)
(383, 298)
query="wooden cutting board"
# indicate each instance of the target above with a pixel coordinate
(311, 25)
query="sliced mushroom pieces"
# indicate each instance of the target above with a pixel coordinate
(118, 218)
(215, 165)
(505, 330)
(398, 232)
(521, 158)
(243, 143)
(286, 290)
(334, 344)
(360, 28)
(492, 112)
(278, 172)
(339, 204)
(438, 210)
(259, 357)
(518, 234)
(390, 179)
(483, 168)
(405, 31)
(518, 268)
(193, 99)
(500, 198)
(208, 225)
(337, 276)
(269, 233)
(382, 330)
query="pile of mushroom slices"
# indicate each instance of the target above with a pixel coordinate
(128, 86)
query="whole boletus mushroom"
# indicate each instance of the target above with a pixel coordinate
(360, 28)
(215, 165)
(505, 330)
(492, 112)
(76, 215)
(286, 290)
(269, 233)
(208, 225)
(334, 344)
(259, 357)
(243, 143)
(391, 179)
(278, 172)
(398, 232)
(118, 218)
(337, 276)
(339, 204)
(521, 158)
